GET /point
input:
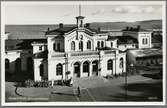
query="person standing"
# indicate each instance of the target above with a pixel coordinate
(71, 81)
(52, 83)
(79, 91)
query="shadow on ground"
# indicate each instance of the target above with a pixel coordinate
(144, 92)
(153, 76)
(60, 93)
(18, 76)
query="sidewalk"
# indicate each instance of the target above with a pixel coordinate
(87, 82)
(99, 81)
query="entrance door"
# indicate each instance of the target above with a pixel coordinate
(18, 65)
(95, 68)
(76, 69)
(30, 67)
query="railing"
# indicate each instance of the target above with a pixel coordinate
(59, 55)
(109, 52)
(72, 54)
(84, 53)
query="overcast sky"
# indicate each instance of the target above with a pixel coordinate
(54, 14)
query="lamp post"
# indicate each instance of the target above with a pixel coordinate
(125, 85)
(126, 81)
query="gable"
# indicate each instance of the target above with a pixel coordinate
(80, 33)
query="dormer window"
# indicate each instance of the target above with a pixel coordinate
(111, 44)
(40, 48)
(145, 41)
(56, 46)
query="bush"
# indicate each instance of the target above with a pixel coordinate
(31, 83)
(109, 76)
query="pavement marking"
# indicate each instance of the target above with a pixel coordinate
(90, 95)
(75, 95)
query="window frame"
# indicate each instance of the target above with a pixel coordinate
(59, 69)
(40, 48)
(73, 46)
(110, 64)
(89, 44)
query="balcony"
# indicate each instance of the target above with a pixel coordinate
(109, 52)
(83, 53)
(58, 55)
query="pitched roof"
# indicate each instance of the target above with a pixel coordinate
(96, 30)
(156, 39)
(123, 39)
(12, 44)
(146, 52)
(136, 30)
(27, 35)
(60, 31)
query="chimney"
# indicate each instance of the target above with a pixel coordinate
(48, 29)
(99, 29)
(131, 28)
(61, 25)
(138, 27)
(87, 25)
(127, 28)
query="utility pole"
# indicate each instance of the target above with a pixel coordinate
(126, 85)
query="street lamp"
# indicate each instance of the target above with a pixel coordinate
(126, 82)
(125, 85)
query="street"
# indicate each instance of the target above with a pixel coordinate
(92, 89)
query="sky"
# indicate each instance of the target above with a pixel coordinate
(59, 13)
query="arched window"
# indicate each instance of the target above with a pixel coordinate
(86, 67)
(95, 67)
(102, 44)
(58, 46)
(29, 64)
(7, 64)
(81, 45)
(77, 69)
(89, 44)
(72, 45)
(98, 44)
(54, 46)
(143, 41)
(121, 63)
(59, 69)
(41, 68)
(18, 65)
(111, 44)
(146, 41)
(110, 65)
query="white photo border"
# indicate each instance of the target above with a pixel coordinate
(7, 3)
